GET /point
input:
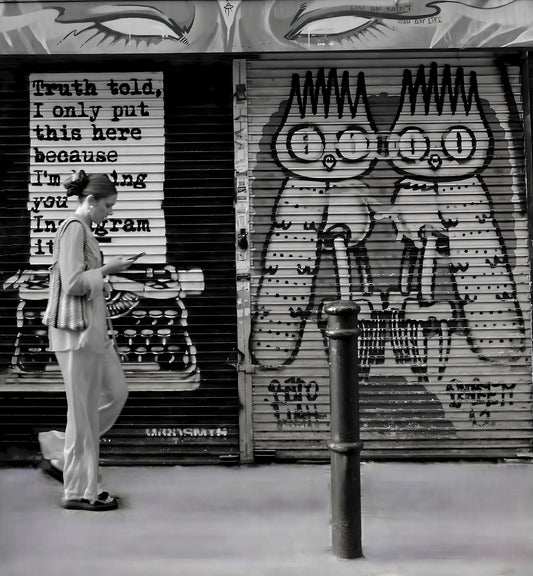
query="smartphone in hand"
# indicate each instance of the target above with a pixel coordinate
(135, 257)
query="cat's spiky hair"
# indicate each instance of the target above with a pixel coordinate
(322, 97)
(433, 96)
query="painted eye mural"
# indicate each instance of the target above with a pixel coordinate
(261, 25)
(375, 24)
(331, 26)
(319, 25)
(70, 27)
(109, 25)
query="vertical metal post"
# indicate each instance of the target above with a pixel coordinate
(528, 147)
(242, 259)
(344, 445)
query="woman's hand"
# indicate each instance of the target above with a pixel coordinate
(116, 265)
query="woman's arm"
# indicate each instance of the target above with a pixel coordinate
(75, 280)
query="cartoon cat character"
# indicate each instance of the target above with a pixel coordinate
(326, 142)
(440, 143)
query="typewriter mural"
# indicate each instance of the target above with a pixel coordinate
(445, 283)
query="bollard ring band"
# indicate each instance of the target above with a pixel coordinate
(345, 447)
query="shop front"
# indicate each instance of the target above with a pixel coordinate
(169, 151)
(396, 183)
(271, 157)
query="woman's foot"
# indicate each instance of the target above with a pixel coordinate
(109, 503)
(106, 497)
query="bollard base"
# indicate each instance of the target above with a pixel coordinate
(344, 544)
(346, 504)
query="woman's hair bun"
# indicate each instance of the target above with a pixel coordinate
(76, 184)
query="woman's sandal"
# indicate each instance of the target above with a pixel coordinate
(106, 497)
(48, 468)
(104, 502)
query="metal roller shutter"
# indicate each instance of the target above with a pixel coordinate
(395, 180)
(178, 338)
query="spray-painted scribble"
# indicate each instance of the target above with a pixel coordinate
(478, 398)
(294, 403)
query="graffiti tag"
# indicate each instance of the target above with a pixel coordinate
(294, 403)
(479, 397)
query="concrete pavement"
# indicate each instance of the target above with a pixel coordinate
(438, 519)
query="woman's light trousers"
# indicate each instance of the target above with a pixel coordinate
(96, 393)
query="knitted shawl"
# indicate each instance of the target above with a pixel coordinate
(66, 311)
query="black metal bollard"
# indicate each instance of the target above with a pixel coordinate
(345, 444)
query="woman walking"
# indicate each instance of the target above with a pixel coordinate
(76, 315)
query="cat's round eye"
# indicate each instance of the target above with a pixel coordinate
(305, 143)
(353, 144)
(459, 142)
(413, 144)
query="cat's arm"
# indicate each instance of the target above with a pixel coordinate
(349, 222)
(482, 276)
(289, 266)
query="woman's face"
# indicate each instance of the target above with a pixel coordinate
(101, 208)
